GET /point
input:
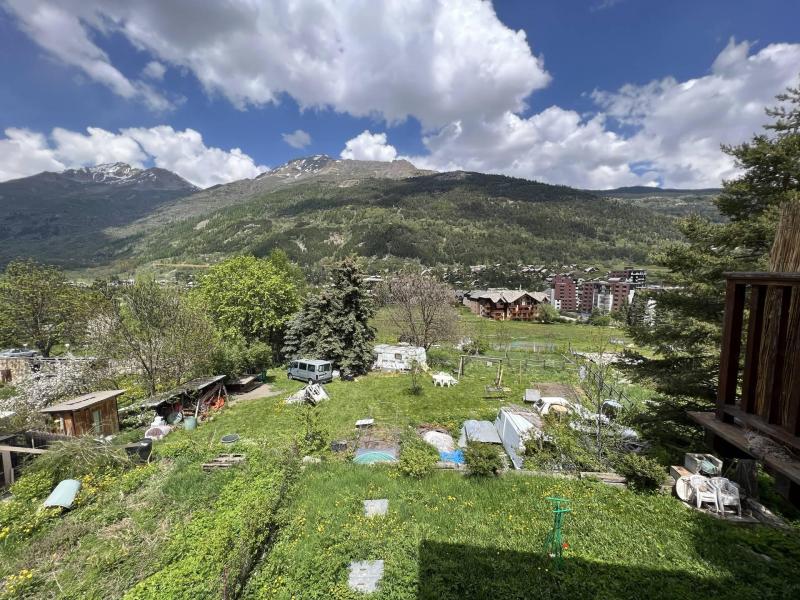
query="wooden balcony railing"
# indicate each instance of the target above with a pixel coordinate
(770, 381)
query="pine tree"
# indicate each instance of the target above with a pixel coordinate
(352, 322)
(334, 323)
(686, 329)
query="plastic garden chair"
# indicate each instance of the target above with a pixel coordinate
(704, 491)
(727, 494)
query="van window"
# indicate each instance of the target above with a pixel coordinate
(293, 365)
(303, 366)
(323, 368)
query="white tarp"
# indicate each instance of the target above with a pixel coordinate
(515, 428)
(478, 431)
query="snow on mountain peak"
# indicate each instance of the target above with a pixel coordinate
(117, 172)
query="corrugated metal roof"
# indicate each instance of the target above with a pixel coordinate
(190, 387)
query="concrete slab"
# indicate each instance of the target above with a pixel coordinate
(373, 508)
(365, 575)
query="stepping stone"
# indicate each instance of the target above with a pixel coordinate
(365, 575)
(374, 508)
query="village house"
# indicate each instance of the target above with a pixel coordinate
(505, 305)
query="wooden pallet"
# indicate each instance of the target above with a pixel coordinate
(224, 461)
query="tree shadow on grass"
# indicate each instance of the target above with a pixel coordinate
(464, 572)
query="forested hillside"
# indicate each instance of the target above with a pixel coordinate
(457, 217)
(671, 202)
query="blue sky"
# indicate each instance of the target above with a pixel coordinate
(599, 93)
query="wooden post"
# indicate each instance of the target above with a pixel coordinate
(775, 356)
(8, 468)
(755, 328)
(731, 347)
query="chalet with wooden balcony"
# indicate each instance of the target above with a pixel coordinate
(758, 402)
(505, 305)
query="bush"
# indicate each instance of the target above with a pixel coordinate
(482, 460)
(441, 360)
(32, 486)
(72, 459)
(236, 357)
(643, 474)
(315, 436)
(476, 347)
(417, 457)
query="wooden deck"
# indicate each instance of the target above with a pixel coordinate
(759, 373)
(735, 435)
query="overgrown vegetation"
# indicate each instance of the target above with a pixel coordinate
(417, 458)
(482, 460)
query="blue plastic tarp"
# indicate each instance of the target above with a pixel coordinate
(453, 456)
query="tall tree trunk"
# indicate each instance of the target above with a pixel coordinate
(784, 257)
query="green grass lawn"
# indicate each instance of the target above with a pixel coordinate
(272, 530)
(580, 336)
(449, 536)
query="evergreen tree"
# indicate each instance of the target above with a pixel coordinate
(334, 323)
(686, 329)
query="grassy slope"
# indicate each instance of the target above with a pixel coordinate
(178, 532)
(453, 537)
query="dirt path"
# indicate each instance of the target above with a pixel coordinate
(264, 390)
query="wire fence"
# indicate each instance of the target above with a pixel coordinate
(594, 376)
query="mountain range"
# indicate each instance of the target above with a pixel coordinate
(317, 207)
(60, 217)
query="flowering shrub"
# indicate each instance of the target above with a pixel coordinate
(57, 380)
(13, 585)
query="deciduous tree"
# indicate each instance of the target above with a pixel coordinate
(156, 329)
(38, 306)
(252, 297)
(421, 308)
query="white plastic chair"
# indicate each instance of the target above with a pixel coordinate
(727, 494)
(704, 491)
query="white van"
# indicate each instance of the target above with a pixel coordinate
(312, 371)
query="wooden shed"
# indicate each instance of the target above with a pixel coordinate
(94, 413)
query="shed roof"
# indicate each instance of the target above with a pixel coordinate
(190, 387)
(83, 401)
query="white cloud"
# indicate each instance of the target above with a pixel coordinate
(95, 147)
(297, 139)
(185, 153)
(451, 64)
(24, 152)
(369, 146)
(154, 70)
(676, 129)
(436, 60)
(57, 27)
